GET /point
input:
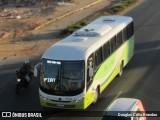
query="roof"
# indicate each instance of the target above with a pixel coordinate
(122, 104)
(82, 42)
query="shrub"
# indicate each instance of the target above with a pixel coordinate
(116, 8)
(73, 27)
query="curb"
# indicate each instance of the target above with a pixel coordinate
(60, 17)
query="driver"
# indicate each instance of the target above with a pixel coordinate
(26, 71)
(73, 86)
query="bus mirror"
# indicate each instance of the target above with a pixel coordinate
(90, 72)
(36, 67)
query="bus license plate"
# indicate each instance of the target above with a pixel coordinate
(60, 105)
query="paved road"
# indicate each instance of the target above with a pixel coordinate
(140, 79)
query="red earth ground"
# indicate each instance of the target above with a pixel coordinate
(17, 23)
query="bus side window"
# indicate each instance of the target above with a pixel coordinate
(113, 44)
(106, 50)
(119, 39)
(90, 64)
(125, 34)
(98, 57)
(130, 30)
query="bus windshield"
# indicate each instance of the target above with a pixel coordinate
(62, 77)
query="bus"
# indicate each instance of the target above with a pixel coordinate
(74, 71)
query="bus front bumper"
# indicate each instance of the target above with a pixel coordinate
(78, 104)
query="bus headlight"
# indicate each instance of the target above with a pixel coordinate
(43, 98)
(18, 80)
(79, 99)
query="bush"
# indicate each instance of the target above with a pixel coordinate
(116, 8)
(73, 27)
(120, 6)
(130, 1)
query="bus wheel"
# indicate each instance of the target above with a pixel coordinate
(121, 69)
(95, 96)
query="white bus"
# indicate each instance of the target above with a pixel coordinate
(74, 71)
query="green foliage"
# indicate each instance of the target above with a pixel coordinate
(73, 27)
(120, 6)
(130, 1)
(113, 10)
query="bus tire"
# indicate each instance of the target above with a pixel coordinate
(121, 69)
(96, 95)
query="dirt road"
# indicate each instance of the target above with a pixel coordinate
(21, 45)
(16, 47)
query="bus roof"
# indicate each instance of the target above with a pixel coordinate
(83, 42)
